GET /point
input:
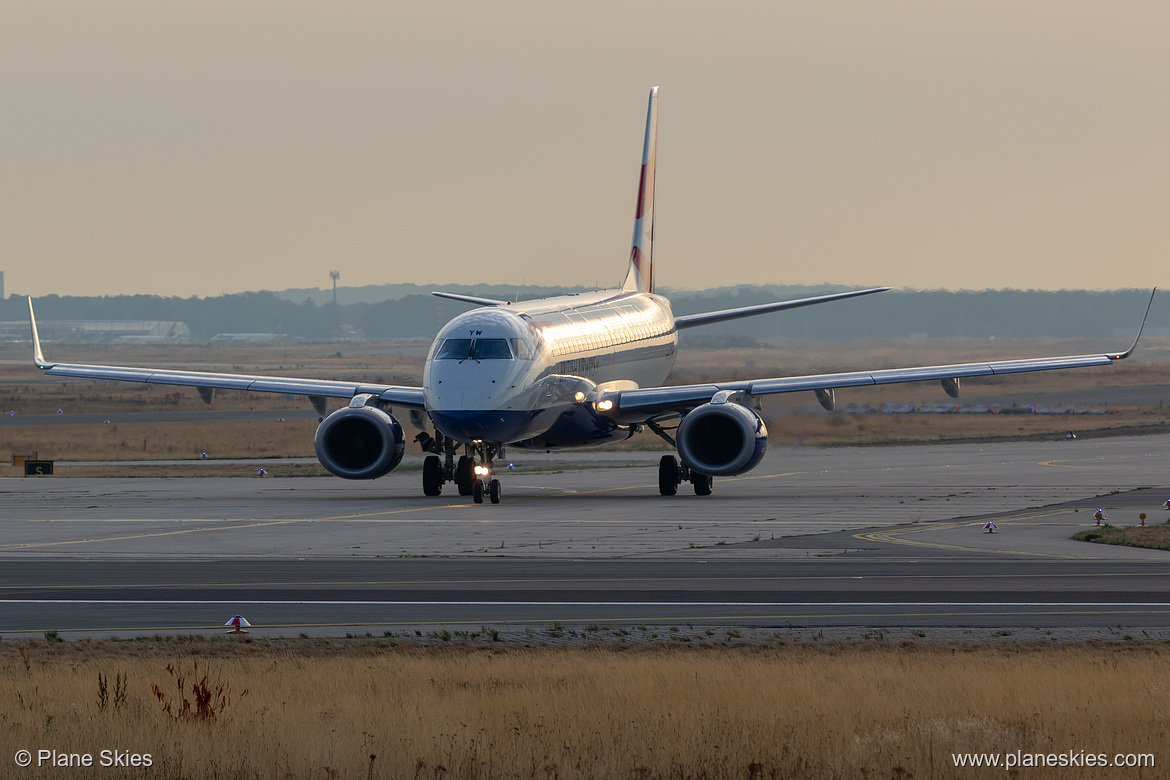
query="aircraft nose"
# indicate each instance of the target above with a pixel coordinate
(460, 398)
(468, 385)
(484, 425)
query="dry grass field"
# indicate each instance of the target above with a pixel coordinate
(1156, 537)
(377, 709)
(171, 441)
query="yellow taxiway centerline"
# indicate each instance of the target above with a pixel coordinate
(892, 536)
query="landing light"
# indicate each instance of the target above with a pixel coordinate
(579, 397)
(605, 406)
(482, 471)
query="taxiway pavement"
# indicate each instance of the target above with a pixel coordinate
(872, 537)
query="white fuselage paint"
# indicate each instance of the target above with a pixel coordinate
(571, 347)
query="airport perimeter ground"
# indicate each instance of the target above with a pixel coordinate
(836, 613)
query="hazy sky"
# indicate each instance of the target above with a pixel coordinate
(211, 147)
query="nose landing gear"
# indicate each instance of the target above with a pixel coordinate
(471, 472)
(484, 483)
(490, 488)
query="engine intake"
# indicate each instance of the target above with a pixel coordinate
(360, 442)
(722, 439)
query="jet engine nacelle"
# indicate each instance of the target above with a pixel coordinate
(359, 442)
(722, 439)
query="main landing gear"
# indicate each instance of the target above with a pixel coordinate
(671, 473)
(471, 472)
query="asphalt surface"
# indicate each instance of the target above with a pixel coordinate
(282, 597)
(824, 540)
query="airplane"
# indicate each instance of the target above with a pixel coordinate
(164, 339)
(570, 371)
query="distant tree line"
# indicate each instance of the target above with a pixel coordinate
(410, 311)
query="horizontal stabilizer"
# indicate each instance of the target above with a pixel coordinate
(711, 317)
(470, 299)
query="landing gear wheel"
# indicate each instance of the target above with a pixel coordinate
(702, 483)
(464, 474)
(477, 491)
(494, 491)
(432, 476)
(668, 475)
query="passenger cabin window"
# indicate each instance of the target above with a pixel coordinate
(491, 349)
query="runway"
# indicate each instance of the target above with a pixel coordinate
(814, 539)
(136, 598)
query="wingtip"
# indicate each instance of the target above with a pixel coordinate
(1133, 346)
(38, 355)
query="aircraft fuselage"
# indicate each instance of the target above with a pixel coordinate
(524, 373)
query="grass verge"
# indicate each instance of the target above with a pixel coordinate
(376, 708)
(1155, 537)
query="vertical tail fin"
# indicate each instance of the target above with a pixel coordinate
(640, 276)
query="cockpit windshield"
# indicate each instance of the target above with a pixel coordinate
(491, 349)
(476, 349)
(454, 349)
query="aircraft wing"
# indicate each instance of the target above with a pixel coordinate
(405, 397)
(646, 403)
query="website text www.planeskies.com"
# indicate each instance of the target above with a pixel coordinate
(1067, 759)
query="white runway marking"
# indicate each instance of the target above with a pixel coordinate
(603, 603)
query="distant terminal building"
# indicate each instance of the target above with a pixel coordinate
(98, 331)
